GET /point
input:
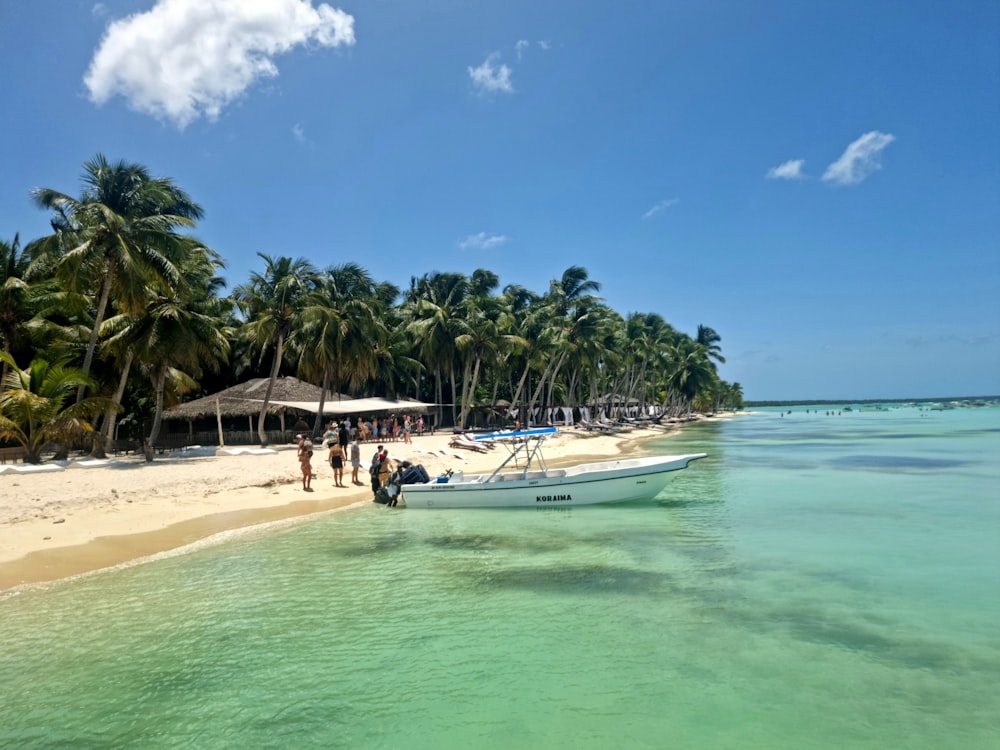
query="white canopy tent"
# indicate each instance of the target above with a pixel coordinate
(341, 406)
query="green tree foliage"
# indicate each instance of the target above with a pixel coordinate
(37, 405)
(272, 303)
(119, 292)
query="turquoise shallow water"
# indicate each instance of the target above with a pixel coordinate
(818, 582)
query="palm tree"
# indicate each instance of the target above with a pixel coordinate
(176, 339)
(483, 342)
(37, 405)
(117, 238)
(15, 303)
(691, 371)
(732, 397)
(649, 337)
(341, 330)
(565, 309)
(708, 338)
(272, 303)
(571, 288)
(171, 338)
(433, 304)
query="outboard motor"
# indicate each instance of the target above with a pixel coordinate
(415, 474)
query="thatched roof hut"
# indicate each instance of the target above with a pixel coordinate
(245, 400)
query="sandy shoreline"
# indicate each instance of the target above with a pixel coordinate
(59, 524)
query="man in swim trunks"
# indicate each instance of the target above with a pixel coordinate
(355, 460)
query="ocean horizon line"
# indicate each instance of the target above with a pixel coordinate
(820, 401)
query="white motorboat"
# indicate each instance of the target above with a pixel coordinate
(523, 479)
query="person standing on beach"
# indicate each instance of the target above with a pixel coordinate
(385, 468)
(305, 462)
(330, 436)
(355, 460)
(337, 462)
(343, 437)
(376, 469)
(407, 427)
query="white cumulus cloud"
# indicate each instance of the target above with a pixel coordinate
(659, 207)
(859, 160)
(481, 241)
(790, 170)
(185, 59)
(491, 76)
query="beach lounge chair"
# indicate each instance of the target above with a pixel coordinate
(488, 442)
(462, 442)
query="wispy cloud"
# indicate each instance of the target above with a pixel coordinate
(186, 59)
(859, 160)
(300, 134)
(921, 342)
(481, 241)
(491, 76)
(790, 170)
(660, 207)
(99, 10)
(523, 44)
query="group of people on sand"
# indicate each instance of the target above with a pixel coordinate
(389, 429)
(341, 447)
(338, 453)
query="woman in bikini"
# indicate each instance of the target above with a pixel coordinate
(337, 462)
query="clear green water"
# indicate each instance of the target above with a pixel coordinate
(818, 582)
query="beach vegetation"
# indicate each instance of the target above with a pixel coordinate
(337, 343)
(119, 236)
(176, 337)
(131, 305)
(38, 405)
(15, 299)
(272, 303)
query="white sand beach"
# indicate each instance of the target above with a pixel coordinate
(94, 515)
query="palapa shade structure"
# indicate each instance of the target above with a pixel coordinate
(245, 399)
(289, 396)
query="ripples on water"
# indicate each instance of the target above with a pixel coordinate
(781, 593)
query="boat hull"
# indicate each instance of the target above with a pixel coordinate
(618, 481)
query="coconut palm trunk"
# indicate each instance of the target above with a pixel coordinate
(111, 416)
(272, 379)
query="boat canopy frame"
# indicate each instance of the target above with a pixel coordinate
(520, 442)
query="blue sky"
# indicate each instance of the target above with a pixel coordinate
(817, 181)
